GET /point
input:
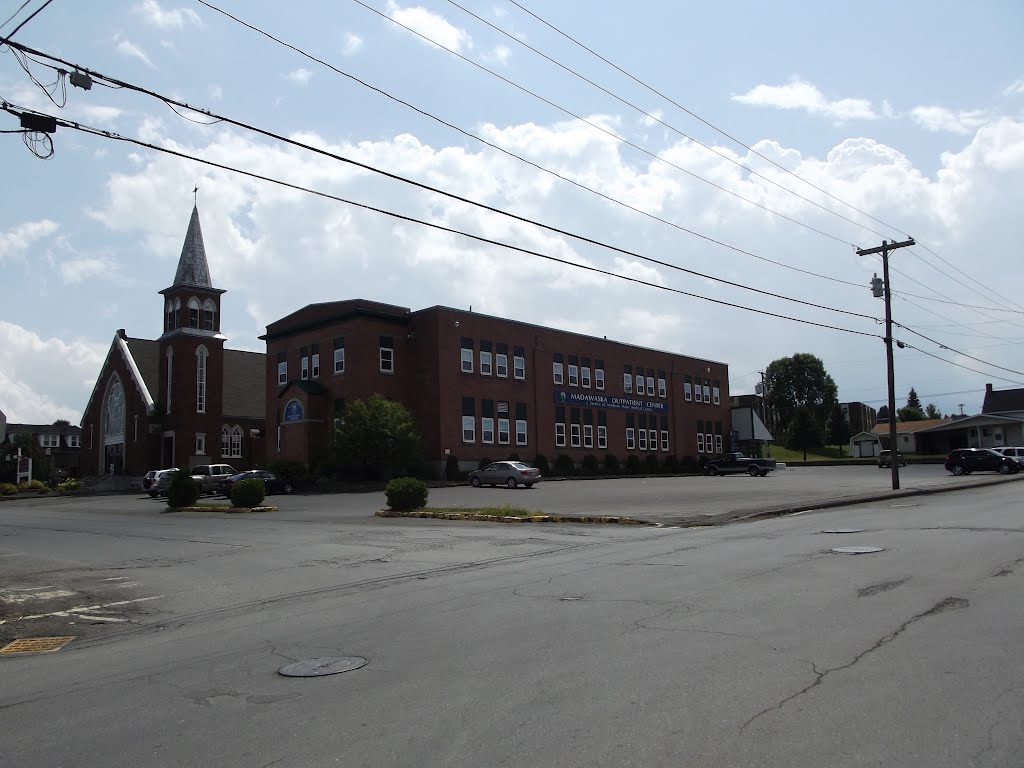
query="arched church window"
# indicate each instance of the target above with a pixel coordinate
(209, 316)
(201, 358)
(193, 312)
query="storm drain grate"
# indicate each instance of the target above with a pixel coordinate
(325, 665)
(36, 644)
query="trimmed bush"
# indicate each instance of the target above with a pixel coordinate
(611, 464)
(248, 493)
(540, 461)
(483, 463)
(653, 465)
(67, 485)
(8, 489)
(564, 466)
(633, 464)
(406, 493)
(590, 465)
(672, 464)
(451, 467)
(182, 491)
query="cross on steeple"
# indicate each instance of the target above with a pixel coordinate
(195, 195)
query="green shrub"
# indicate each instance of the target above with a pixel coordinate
(483, 463)
(67, 485)
(653, 465)
(451, 467)
(8, 489)
(611, 464)
(294, 471)
(248, 493)
(564, 465)
(590, 465)
(540, 461)
(405, 493)
(182, 491)
(633, 464)
(38, 485)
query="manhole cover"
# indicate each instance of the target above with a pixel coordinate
(325, 665)
(856, 550)
(844, 530)
(36, 644)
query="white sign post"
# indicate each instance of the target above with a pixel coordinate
(24, 468)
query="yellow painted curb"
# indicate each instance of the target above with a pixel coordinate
(232, 510)
(479, 517)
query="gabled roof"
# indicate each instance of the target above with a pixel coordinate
(978, 420)
(125, 346)
(43, 429)
(909, 427)
(193, 268)
(1002, 400)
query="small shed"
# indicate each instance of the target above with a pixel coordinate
(865, 445)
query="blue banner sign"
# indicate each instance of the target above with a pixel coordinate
(611, 402)
(293, 411)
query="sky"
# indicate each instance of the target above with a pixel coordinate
(712, 167)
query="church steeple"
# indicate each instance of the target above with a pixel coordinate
(193, 268)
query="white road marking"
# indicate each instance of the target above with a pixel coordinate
(126, 584)
(79, 608)
(25, 597)
(116, 578)
(31, 589)
(97, 618)
(12, 554)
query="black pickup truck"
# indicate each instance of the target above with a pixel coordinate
(732, 463)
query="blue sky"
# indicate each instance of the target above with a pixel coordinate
(912, 113)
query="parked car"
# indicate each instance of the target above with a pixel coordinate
(271, 482)
(209, 476)
(1014, 452)
(510, 473)
(147, 481)
(734, 463)
(158, 486)
(963, 461)
(885, 459)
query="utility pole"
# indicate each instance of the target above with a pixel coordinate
(880, 288)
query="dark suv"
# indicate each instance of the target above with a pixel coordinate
(963, 461)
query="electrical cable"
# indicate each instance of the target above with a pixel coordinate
(26, 21)
(940, 345)
(11, 17)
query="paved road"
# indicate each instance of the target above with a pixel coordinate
(746, 645)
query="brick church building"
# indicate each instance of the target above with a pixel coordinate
(181, 399)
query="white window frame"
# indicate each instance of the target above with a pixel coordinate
(599, 378)
(652, 439)
(716, 395)
(504, 438)
(236, 442)
(602, 436)
(641, 441)
(339, 360)
(501, 365)
(520, 367)
(225, 442)
(709, 441)
(469, 428)
(574, 375)
(304, 367)
(585, 376)
(575, 436)
(387, 354)
(556, 373)
(486, 368)
(650, 386)
(707, 394)
(49, 441)
(200, 443)
(282, 372)
(687, 391)
(466, 360)
(74, 441)
(700, 442)
(521, 434)
(638, 383)
(630, 439)
(662, 387)
(316, 366)
(202, 364)
(487, 430)
(170, 376)
(718, 443)
(627, 383)
(588, 435)
(560, 434)
(664, 440)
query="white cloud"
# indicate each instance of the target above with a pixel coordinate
(300, 76)
(97, 113)
(432, 26)
(500, 54)
(15, 242)
(800, 94)
(73, 271)
(175, 18)
(351, 44)
(215, 91)
(128, 48)
(941, 119)
(1015, 88)
(44, 379)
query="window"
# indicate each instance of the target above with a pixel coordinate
(687, 389)
(501, 363)
(717, 392)
(468, 420)
(602, 429)
(642, 442)
(486, 368)
(718, 443)
(487, 430)
(664, 440)
(630, 438)
(200, 444)
(574, 375)
(169, 324)
(707, 392)
(650, 383)
(585, 376)
(652, 439)
(560, 426)
(588, 435)
(339, 354)
(708, 442)
(574, 434)
(282, 368)
(639, 380)
(387, 354)
(503, 433)
(599, 374)
(225, 441)
(193, 312)
(316, 361)
(662, 388)
(556, 368)
(49, 441)
(304, 363)
(201, 358)
(467, 355)
(209, 316)
(74, 441)
(520, 423)
(520, 363)
(700, 442)
(627, 381)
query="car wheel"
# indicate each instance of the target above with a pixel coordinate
(753, 470)
(764, 473)
(957, 469)
(511, 482)
(712, 470)
(286, 488)
(475, 482)
(528, 485)
(1004, 469)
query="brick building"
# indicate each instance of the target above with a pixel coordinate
(182, 399)
(482, 386)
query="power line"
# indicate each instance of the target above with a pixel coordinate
(11, 17)
(550, 228)
(966, 368)
(957, 351)
(969, 277)
(13, 109)
(26, 21)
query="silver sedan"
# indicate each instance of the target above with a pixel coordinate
(510, 473)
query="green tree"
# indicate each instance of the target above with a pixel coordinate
(932, 412)
(913, 401)
(800, 381)
(913, 410)
(804, 430)
(882, 417)
(838, 428)
(42, 465)
(379, 435)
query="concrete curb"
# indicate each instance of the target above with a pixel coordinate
(218, 510)
(478, 517)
